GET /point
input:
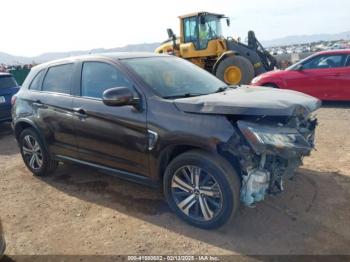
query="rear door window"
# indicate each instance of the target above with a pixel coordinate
(7, 81)
(37, 81)
(58, 79)
(98, 76)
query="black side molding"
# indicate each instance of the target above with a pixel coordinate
(113, 172)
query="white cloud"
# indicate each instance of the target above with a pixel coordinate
(38, 26)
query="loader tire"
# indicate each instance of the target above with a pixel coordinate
(235, 70)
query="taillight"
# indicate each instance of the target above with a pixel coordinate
(13, 99)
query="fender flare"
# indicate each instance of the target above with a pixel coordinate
(30, 123)
(222, 57)
(160, 162)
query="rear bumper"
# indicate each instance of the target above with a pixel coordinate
(5, 114)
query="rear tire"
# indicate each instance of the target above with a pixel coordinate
(34, 154)
(208, 201)
(228, 72)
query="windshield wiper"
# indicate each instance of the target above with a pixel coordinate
(221, 89)
(224, 88)
(183, 95)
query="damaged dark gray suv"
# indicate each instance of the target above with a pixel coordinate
(160, 120)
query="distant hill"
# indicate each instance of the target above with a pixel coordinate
(302, 39)
(11, 59)
(149, 47)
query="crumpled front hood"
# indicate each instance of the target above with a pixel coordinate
(247, 100)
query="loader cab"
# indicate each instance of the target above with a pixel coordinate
(200, 29)
(200, 39)
(201, 42)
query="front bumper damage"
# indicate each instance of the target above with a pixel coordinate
(268, 153)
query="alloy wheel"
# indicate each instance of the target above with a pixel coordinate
(32, 152)
(196, 193)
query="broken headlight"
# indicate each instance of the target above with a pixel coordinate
(280, 140)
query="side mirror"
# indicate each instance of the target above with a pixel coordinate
(228, 22)
(170, 33)
(119, 96)
(172, 36)
(299, 67)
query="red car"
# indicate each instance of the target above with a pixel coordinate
(325, 75)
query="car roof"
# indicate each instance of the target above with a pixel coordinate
(114, 56)
(5, 74)
(334, 52)
(199, 13)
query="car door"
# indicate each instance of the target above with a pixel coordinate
(342, 90)
(52, 105)
(314, 77)
(115, 137)
(335, 64)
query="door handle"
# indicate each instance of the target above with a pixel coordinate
(38, 104)
(79, 112)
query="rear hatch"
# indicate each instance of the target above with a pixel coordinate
(8, 87)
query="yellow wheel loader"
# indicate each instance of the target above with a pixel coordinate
(202, 43)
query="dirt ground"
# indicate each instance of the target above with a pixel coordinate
(80, 211)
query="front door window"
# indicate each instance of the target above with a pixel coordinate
(325, 61)
(98, 77)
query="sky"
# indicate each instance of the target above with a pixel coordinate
(30, 28)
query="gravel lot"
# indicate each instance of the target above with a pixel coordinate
(80, 211)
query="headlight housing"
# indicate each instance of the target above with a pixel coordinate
(284, 141)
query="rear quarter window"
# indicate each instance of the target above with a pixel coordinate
(7, 82)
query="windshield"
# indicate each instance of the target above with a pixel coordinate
(295, 66)
(7, 82)
(171, 77)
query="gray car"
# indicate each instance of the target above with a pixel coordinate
(162, 121)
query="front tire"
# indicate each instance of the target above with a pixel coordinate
(34, 154)
(202, 189)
